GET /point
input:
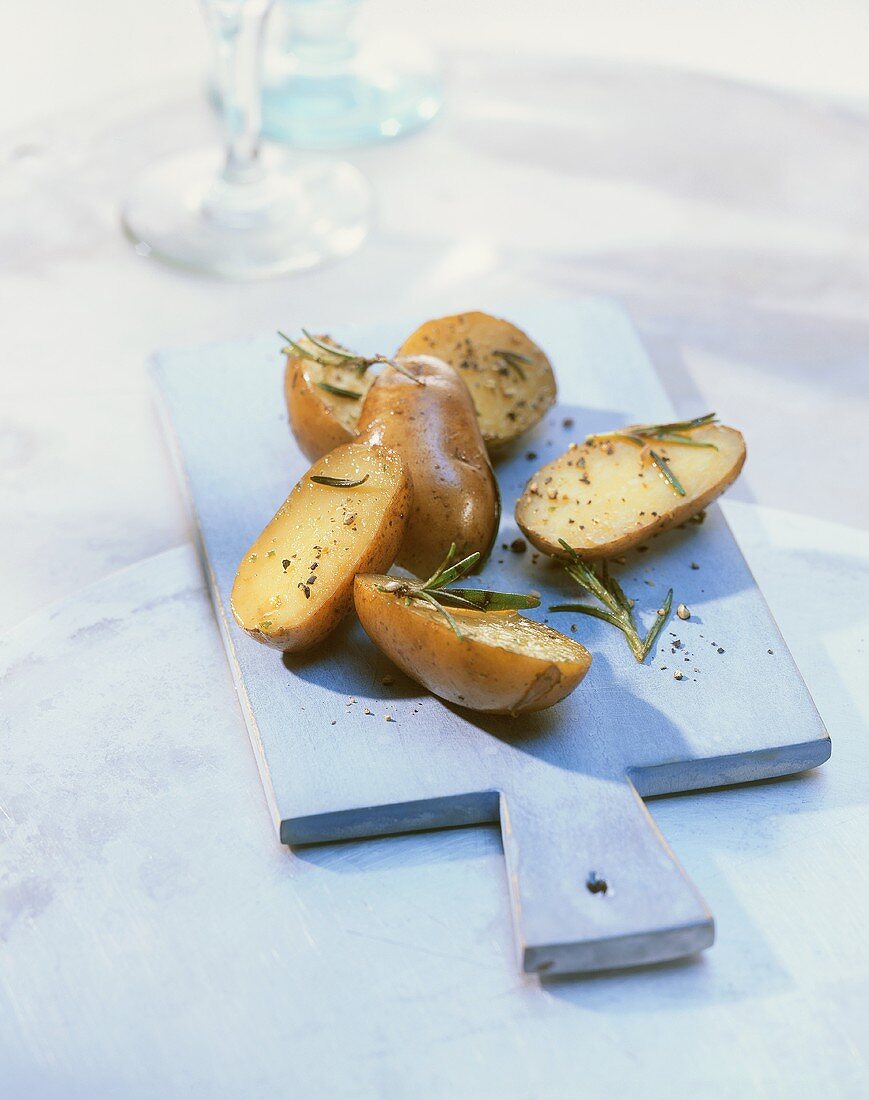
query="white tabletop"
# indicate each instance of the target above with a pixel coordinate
(158, 941)
(154, 939)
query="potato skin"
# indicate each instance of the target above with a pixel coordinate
(434, 429)
(467, 671)
(321, 421)
(316, 430)
(508, 401)
(376, 551)
(543, 530)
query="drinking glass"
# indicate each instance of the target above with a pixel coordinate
(329, 83)
(257, 213)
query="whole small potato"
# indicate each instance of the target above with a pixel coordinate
(322, 415)
(429, 420)
(503, 663)
(347, 515)
(509, 376)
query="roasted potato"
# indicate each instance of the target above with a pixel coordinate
(510, 379)
(503, 663)
(316, 385)
(616, 491)
(426, 415)
(295, 584)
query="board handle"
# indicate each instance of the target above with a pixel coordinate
(593, 883)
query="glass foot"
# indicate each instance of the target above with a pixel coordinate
(288, 217)
(387, 88)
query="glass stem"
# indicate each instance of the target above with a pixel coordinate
(237, 30)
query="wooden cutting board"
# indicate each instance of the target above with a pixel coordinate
(567, 784)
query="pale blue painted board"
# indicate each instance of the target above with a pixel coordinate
(566, 783)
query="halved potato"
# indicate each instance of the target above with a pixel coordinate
(510, 379)
(606, 496)
(426, 415)
(321, 418)
(502, 664)
(295, 583)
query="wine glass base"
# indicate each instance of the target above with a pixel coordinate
(300, 215)
(389, 89)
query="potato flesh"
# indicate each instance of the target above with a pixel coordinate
(309, 553)
(344, 409)
(502, 664)
(510, 631)
(608, 495)
(507, 403)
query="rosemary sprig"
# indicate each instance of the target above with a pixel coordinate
(434, 591)
(338, 482)
(514, 360)
(643, 435)
(617, 609)
(336, 354)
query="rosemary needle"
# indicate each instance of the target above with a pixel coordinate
(338, 482)
(664, 467)
(515, 360)
(339, 391)
(331, 349)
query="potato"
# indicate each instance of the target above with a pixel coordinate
(321, 419)
(433, 427)
(502, 664)
(607, 495)
(511, 391)
(295, 583)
